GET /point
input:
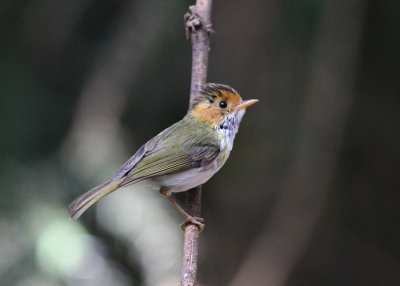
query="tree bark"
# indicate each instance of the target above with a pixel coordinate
(198, 28)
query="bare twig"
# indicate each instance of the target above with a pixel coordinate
(198, 28)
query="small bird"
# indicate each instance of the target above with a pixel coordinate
(183, 156)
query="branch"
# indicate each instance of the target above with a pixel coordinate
(198, 28)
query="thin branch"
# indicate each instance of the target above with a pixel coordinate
(198, 28)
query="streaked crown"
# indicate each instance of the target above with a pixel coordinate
(216, 101)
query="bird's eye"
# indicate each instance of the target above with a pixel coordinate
(223, 104)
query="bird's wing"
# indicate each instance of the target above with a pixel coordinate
(130, 163)
(146, 149)
(173, 160)
(182, 153)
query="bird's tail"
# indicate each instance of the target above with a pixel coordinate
(83, 202)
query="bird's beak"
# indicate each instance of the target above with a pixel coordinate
(246, 103)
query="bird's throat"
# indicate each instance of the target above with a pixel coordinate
(230, 126)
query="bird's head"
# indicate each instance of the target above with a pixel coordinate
(218, 102)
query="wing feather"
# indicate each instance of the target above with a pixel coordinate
(154, 159)
(178, 161)
(153, 167)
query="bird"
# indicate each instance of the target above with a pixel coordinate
(183, 156)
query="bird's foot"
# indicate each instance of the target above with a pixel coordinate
(197, 221)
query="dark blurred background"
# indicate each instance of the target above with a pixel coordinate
(309, 196)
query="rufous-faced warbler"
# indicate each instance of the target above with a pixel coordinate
(183, 156)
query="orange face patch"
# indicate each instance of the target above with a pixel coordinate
(213, 110)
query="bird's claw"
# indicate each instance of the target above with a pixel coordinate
(197, 221)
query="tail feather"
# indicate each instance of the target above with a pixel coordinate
(83, 202)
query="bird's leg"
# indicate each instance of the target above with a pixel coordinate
(189, 219)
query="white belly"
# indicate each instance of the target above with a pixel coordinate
(186, 180)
